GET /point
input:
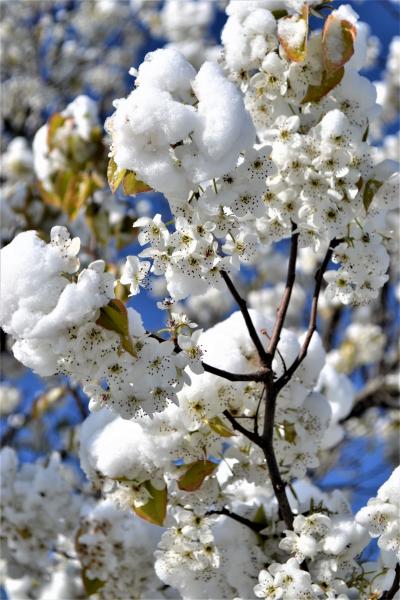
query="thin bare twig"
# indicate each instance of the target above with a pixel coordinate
(255, 376)
(257, 411)
(256, 527)
(82, 407)
(253, 437)
(377, 393)
(241, 302)
(312, 325)
(284, 303)
(390, 594)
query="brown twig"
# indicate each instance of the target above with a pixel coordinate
(284, 303)
(268, 448)
(331, 326)
(312, 325)
(377, 393)
(390, 594)
(241, 302)
(255, 376)
(256, 527)
(82, 408)
(253, 437)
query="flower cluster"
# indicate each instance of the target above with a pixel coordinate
(107, 542)
(363, 344)
(54, 317)
(314, 167)
(178, 128)
(381, 516)
(37, 507)
(185, 24)
(53, 51)
(214, 433)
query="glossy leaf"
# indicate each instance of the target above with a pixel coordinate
(114, 317)
(315, 93)
(155, 510)
(194, 476)
(133, 186)
(114, 175)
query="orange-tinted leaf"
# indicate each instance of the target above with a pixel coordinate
(315, 93)
(292, 35)
(194, 476)
(337, 43)
(49, 198)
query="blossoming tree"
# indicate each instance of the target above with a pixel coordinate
(199, 450)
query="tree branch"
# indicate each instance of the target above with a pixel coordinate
(284, 303)
(312, 325)
(241, 302)
(267, 437)
(253, 437)
(331, 326)
(82, 407)
(390, 594)
(256, 527)
(376, 393)
(255, 376)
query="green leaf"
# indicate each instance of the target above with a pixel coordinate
(114, 175)
(114, 317)
(218, 426)
(290, 434)
(194, 476)
(91, 586)
(75, 195)
(133, 186)
(339, 34)
(316, 92)
(279, 13)
(155, 509)
(260, 517)
(130, 183)
(55, 122)
(371, 187)
(49, 198)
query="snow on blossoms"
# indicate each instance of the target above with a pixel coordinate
(189, 136)
(381, 516)
(212, 434)
(121, 456)
(62, 322)
(177, 128)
